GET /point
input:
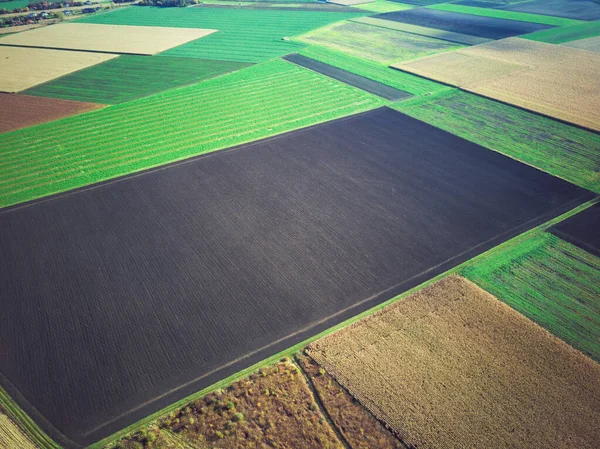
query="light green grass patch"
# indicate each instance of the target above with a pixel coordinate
(552, 283)
(375, 71)
(381, 6)
(375, 43)
(511, 15)
(129, 77)
(566, 34)
(9, 6)
(562, 150)
(253, 103)
(423, 31)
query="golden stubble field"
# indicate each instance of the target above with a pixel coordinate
(554, 80)
(126, 39)
(451, 366)
(23, 68)
(11, 437)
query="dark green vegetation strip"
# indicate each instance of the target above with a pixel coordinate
(129, 77)
(557, 148)
(551, 282)
(566, 34)
(375, 71)
(511, 15)
(253, 103)
(247, 35)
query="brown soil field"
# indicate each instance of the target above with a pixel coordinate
(358, 426)
(451, 366)
(11, 437)
(20, 111)
(27, 67)
(554, 80)
(139, 40)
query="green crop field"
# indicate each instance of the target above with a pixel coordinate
(373, 70)
(375, 43)
(129, 77)
(250, 104)
(9, 6)
(566, 34)
(551, 282)
(381, 6)
(246, 35)
(559, 149)
(512, 15)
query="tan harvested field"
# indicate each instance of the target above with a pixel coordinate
(556, 80)
(23, 68)
(453, 367)
(20, 111)
(139, 40)
(11, 437)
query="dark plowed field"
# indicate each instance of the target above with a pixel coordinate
(121, 298)
(481, 26)
(582, 230)
(358, 81)
(571, 9)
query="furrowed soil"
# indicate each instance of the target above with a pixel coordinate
(106, 38)
(551, 282)
(203, 268)
(452, 360)
(582, 230)
(21, 111)
(358, 426)
(23, 68)
(554, 80)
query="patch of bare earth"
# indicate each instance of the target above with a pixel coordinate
(20, 111)
(453, 367)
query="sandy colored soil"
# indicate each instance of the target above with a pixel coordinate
(21, 111)
(139, 40)
(590, 44)
(23, 68)
(11, 437)
(558, 81)
(453, 367)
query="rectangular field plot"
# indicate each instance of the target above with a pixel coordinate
(566, 34)
(487, 27)
(160, 284)
(553, 80)
(451, 360)
(360, 82)
(21, 111)
(552, 282)
(573, 9)
(582, 230)
(562, 150)
(137, 40)
(129, 77)
(378, 44)
(23, 68)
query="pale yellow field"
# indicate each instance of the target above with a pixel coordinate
(555, 80)
(140, 40)
(453, 367)
(11, 437)
(23, 68)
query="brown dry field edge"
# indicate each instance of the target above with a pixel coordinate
(453, 367)
(20, 111)
(11, 436)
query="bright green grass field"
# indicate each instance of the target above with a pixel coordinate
(562, 150)
(246, 35)
(512, 15)
(565, 34)
(129, 77)
(550, 281)
(250, 104)
(9, 6)
(375, 71)
(381, 6)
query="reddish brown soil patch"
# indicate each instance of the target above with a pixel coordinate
(21, 111)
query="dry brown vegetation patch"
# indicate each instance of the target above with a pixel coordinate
(20, 111)
(554, 80)
(11, 436)
(140, 40)
(453, 367)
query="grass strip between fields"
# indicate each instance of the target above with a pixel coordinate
(566, 34)
(511, 15)
(294, 349)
